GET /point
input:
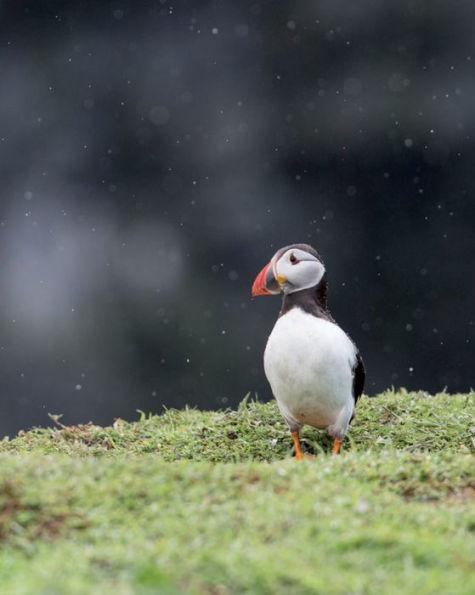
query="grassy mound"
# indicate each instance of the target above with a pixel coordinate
(212, 502)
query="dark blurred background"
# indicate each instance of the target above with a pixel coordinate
(153, 157)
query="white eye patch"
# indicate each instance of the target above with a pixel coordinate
(300, 269)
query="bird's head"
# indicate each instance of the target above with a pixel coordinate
(291, 269)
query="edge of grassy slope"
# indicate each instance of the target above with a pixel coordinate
(412, 421)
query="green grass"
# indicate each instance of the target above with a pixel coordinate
(212, 502)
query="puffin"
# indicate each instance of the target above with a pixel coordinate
(315, 370)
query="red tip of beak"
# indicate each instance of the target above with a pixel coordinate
(259, 285)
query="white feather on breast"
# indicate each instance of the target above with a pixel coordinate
(309, 364)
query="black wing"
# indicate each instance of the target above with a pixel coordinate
(359, 376)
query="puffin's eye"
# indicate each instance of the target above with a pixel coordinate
(293, 259)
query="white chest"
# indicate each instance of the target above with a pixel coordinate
(308, 362)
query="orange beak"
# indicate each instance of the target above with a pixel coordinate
(259, 285)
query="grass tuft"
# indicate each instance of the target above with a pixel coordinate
(256, 431)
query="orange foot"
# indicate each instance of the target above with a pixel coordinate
(336, 446)
(303, 455)
(299, 454)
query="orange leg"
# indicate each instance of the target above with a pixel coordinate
(336, 446)
(299, 455)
